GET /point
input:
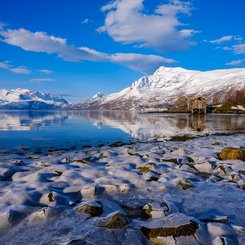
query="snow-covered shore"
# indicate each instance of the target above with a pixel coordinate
(169, 192)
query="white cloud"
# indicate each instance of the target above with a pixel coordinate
(239, 48)
(140, 62)
(42, 80)
(4, 65)
(42, 42)
(235, 63)
(37, 42)
(222, 39)
(18, 70)
(45, 71)
(226, 39)
(227, 48)
(126, 22)
(85, 21)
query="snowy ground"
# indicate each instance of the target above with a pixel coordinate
(181, 190)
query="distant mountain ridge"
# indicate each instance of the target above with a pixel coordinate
(24, 99)
(162, 89)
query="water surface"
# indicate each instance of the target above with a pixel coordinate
(78, 128)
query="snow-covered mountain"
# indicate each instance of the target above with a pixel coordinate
(24, 99)
(162, 89)
(97, 96)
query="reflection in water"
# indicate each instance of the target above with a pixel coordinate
(103, 125)
(198, 122)
(30, 120)
(155, 126)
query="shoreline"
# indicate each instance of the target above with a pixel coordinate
(146, 184)
(135, 111)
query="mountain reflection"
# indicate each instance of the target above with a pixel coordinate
(30, 120)
(155, 126)
(139, 126)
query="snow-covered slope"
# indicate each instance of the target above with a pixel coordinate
(166, 85)
(97, 96)
(26, 99)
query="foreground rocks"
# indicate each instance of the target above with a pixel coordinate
(189, 192)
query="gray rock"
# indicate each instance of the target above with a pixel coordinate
(116, 220)
(156, 210)
(93, 208)
(175, 225)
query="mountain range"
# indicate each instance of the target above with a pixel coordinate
(24, 99)
(166, 89)
(163, 89)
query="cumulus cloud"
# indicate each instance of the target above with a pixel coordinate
(18, 70)
(235, 63)
(42, 80)
(42, 42)
(126, 22)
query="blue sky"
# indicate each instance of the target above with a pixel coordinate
(77, 48)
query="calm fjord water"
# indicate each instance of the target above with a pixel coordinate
(76, 128)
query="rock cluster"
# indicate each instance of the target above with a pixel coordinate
(159, 192)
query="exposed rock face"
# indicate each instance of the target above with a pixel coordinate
(116, 220)
(185, 185)
(156, 209)
(92, 208)
(175, 225)
(232, 154)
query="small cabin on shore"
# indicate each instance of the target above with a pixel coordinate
(197, 105)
